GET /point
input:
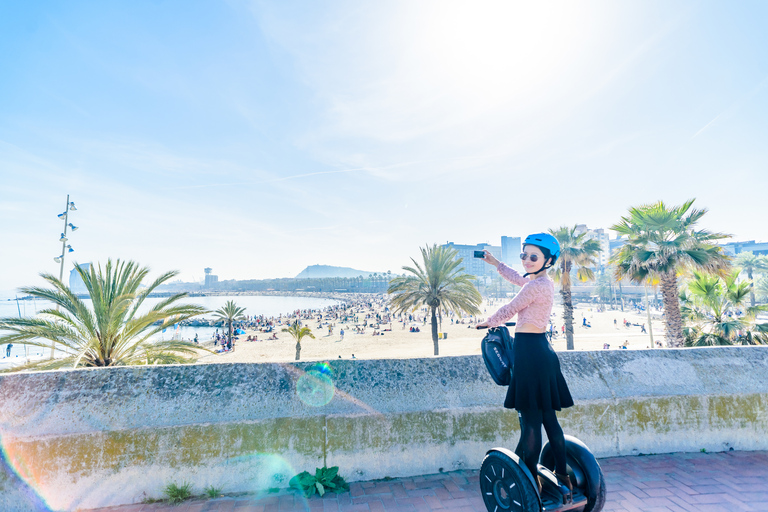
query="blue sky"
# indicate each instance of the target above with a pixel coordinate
(261, 137)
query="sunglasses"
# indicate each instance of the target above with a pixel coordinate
(534, 257)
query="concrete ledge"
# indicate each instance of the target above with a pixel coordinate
(244, 427)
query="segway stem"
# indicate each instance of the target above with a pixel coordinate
(508, 324)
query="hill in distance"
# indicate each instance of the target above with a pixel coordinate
(321, 271)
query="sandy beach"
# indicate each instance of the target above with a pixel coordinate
(461, 339)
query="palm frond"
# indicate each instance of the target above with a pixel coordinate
(299, 332)
(109, 333)
(438, 281)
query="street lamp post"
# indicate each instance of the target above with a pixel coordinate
(65, 248)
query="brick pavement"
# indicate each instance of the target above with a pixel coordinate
(700, 482)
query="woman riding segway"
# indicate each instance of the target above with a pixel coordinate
(537, 389)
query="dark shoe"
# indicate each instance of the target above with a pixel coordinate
(565, 480)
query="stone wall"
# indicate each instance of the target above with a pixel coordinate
(98, 437)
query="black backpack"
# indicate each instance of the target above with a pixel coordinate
(497, 354)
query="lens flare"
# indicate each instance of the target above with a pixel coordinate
(32, 405)
(315, 388)
(21, 476)
(324, 368)
(271, 473)
(21, 490)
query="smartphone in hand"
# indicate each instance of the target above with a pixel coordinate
(479, 254)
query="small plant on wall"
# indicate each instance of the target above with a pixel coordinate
(178, 493)
(324, 480)
(212, 492)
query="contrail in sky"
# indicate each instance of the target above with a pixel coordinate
(706, 126)
(296, 176)
(735, 106)
(274, 180)
(305, 175)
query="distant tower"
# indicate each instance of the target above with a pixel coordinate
(511, 247)
(76, 283)
(210, 279)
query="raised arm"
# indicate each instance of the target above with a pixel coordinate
(511, 274)
(506, 271)
(521, 301)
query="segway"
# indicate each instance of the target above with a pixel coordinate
(506, 484)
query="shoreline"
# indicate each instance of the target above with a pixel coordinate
(200, 322)
(362, 314)
(341, 296)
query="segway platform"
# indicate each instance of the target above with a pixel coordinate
(552, 494)
(506, 484)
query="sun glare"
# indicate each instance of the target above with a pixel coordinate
(427, 68)
(495, 52)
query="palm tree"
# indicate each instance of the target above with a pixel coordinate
(750, 263)
(713, 308)
(230, 313)
(762, 288)
(579, 253)
(662, 241)
(440, 284)
(110, 333)
(298, 332)
(604, 287)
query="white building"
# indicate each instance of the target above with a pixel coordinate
(511, 247)
(735, 248)
(601, 235)
(508, 252)
(474, 266)
(76, 283)
(211, 280)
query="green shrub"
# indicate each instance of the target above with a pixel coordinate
(212, 492)
(324, 480)
(177, 494)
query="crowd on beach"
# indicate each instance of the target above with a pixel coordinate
(361, 317)
(359, 314)
(365, 316)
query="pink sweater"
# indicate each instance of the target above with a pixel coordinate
(532, 305)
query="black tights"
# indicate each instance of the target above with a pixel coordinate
(529, 447)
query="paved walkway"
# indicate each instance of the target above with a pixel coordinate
(700, 482)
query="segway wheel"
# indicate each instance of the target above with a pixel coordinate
(505, 486)
(584, 470)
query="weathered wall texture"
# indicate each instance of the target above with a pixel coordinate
(100, 437)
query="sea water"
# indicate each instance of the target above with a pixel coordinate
(255, 305)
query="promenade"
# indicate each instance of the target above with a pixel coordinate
(691, 482)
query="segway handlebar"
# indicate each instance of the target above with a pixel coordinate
(508, 324)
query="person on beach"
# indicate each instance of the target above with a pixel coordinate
(538, 388)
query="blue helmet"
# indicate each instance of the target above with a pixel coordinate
(545, 241)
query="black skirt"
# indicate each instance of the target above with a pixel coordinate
(537, 382)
